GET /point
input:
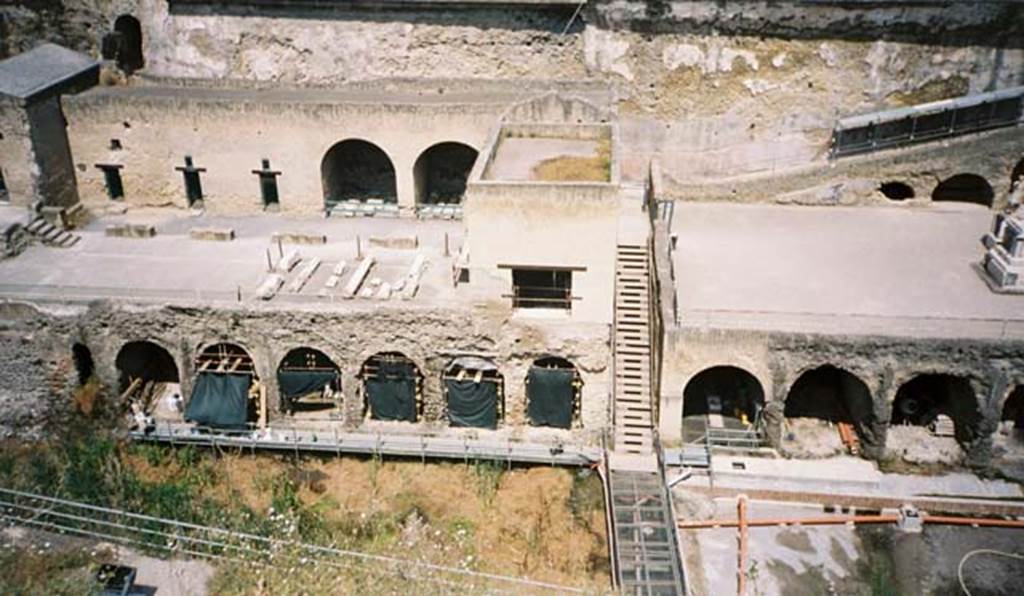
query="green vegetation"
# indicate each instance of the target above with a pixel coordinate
(439, 513)
(38, 570)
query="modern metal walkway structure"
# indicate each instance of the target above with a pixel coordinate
(366, 443)
(642, 530)
(646, 559)
(927, 122)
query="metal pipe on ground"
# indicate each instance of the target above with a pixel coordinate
(839, 520)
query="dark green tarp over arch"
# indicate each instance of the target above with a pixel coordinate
(550, 395)
(472, 404)
(297, 383)
(392, 393)
(220, 400)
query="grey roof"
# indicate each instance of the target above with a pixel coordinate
(46, 70)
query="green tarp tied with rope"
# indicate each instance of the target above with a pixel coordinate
(392, 392)
(220, 400)
(550, 395)
(298, 383)
(472, 404)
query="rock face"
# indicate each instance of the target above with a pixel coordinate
(718, 89)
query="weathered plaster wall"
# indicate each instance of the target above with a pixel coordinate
(34, 387)
(856, 180)
(229, 132)
(884, 364)
(716, 89)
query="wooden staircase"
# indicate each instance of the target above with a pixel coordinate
(50, 234)
(632, 352)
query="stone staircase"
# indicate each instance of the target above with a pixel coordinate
(632, 352)
(50, 234)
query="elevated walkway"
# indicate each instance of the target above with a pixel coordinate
(367, 443)
(927, 122)
(643, 540)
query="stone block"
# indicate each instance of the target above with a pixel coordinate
(401, 242)
(215, 234)
(131, 231)
(298, 238)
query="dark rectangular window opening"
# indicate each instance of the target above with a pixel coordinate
(4, 196)
(112, 177)
(542, 288)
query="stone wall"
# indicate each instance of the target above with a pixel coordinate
(39, 374)
(856, 180)
(229, 132)
(17, 159)
(883, 364)
(716, 89)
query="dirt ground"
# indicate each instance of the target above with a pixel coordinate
(543, 523)
(812, 438)
(917, 445)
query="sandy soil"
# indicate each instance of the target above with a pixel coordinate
(810, 437)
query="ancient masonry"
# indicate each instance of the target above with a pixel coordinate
(539, 230)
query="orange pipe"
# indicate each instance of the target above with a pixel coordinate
(807, 521)
(973, 521)
(849, 519)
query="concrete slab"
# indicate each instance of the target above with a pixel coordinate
(886, 270)
(174, 267)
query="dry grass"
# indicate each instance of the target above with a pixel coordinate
(87, 396)
(543, 523)
(576, 169)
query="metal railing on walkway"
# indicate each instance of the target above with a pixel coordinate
(300, 440)
(927, 122)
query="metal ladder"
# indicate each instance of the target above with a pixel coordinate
(632, 352)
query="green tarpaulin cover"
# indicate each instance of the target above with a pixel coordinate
(220, 400)
(550, 396)
(296, 383)
(472, 404)
(392, 394)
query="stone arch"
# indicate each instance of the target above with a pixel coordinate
(308, 381)
(727, 390)
(150, 372)
(85, 366)
(836, 395)
(920, 400)
(225, 388)
(441, 172)
(474, 392)
(357, 170)
(1013, 408)
(129, 55)
(965, 188)
(392, 387)
(553, 392)
(896, 191)
(1017, 174)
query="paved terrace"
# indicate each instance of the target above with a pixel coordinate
(837, 270)
(172, 267)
